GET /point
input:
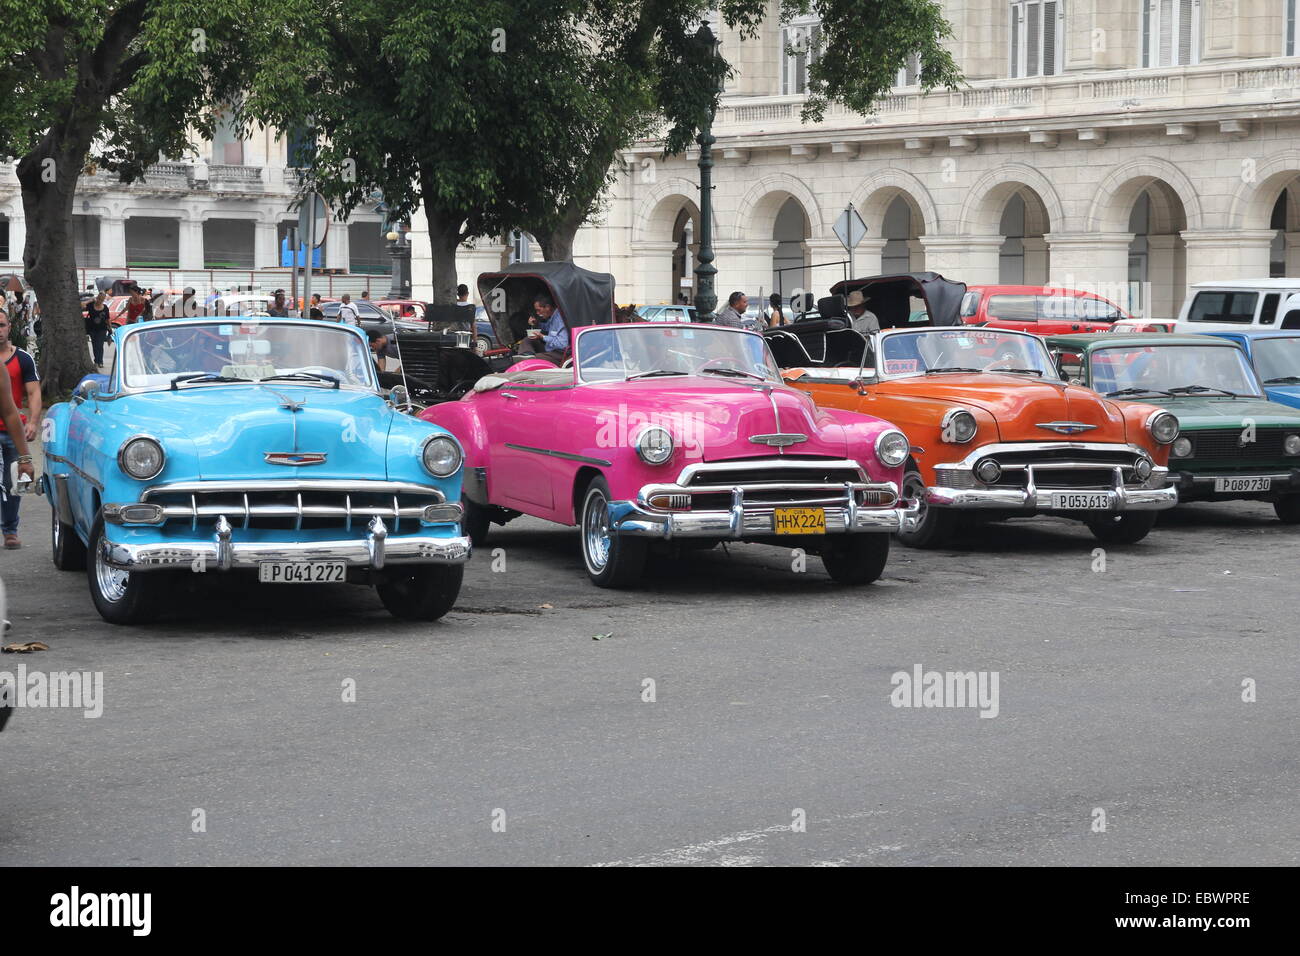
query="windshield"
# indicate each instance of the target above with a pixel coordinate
(1175, 369)
(249, 350)
(1278, 360)
(968, 349)
(613, 354)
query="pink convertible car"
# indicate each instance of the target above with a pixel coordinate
(661, 436)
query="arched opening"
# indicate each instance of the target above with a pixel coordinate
(1157, 255)
(789, 258)
(1023, 255)
(1284, 220)
(901, 229)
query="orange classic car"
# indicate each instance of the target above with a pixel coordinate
(994, 428)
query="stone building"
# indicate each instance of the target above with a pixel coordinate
(1127, 146)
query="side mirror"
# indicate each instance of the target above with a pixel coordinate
(860, 383)
(85, 390)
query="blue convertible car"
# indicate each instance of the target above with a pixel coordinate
(250, 443)
(1275, 357)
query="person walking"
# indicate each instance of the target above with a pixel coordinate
(97, 320)
(23, 384)
(348, 312)
(315, 312)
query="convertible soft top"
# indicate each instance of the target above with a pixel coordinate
(888, 297)
(582, 296)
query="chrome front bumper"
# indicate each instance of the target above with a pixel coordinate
(376, 551)
(1031, 498)
(754, 520)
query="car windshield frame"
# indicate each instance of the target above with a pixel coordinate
(882, 341)
(1261, 346)
(689, 332)
(140, 381)
(1213, 389)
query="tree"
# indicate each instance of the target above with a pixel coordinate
(664, 75)
(118, 83)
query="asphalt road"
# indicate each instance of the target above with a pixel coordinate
(1119, 691)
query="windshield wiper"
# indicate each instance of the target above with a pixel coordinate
(653, 371)
(952, 368)
(310, 376)
(1201, 388)
(204, 377)
(728, 370)
(1284, 380)
(1139, 391)
(1015, 371)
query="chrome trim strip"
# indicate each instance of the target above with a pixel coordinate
(1066, 428)
(163, 555)
(792, 465)
(80, 474)
(1007, 447)
(560, 454)
(292, 484)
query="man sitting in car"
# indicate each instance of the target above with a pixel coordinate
(547, 336)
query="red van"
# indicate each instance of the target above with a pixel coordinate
(1041, 309)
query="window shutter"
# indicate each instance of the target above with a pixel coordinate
(1015, 40)
(1049, 39)
(1146, 32)
(1290, 28)
(1032, 35)
(1166, 30)
(1185, 35)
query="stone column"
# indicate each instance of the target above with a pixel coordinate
(266, 251)
(652, 268)
(1292, 253)
(969, 259)
(112, 243)
(1226, 254)
(189, 240)
(1036, 260)
(744, 265)
(17, 236)
(1092, 262)
(337, 249)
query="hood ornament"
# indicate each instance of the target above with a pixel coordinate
(295, 457)
(779, 439)
(1067, 428)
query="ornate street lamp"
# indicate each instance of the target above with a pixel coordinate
(706, 296)
(400, 252)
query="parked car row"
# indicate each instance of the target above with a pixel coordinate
(267, 445)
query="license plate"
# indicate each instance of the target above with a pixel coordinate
(1080, 500)
(800, 520)
(302, 572)
(1243, 484)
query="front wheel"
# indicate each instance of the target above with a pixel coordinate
(122, 597)
(482, 345)
(612, 560)
(1123, 529)
(1288, 509)
(856, 558)
(68, 551)
(931, 526)
(420, 592)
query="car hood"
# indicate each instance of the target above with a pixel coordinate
(1017, 403)
(1223, 412)
(232, 428)
(720, 417)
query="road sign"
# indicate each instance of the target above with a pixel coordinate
(850, 228)
(313, 219)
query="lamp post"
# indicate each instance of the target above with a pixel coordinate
(706, 296)
(400, 251)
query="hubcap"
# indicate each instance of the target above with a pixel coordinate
(595, 532)
(55, 532)
(110, 581)
(914, 489)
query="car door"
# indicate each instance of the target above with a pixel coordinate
(522, 437)
(82, 450)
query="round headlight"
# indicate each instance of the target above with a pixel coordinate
(1182, 448)
(141, 458)
(892, 448)
(441, 456)
(1291, 444)
(654, 445)
(958, 427)
(1142, 468)
(988, 471)
(1164, 427)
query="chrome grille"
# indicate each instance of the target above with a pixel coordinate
(1219, 444)
(778, 482)
(295, 505)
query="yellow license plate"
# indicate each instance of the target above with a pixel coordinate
(800, 520)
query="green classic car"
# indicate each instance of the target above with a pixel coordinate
(1233, 443)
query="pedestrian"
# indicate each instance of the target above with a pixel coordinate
(135, 306)
(462, 295)
(365, 294)
(348, 312)
(734, 314)
(97, 327)
(777, 317)
(16, 431)
(315, 312)
(279, 308)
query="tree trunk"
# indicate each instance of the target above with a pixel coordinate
(557, 245)
(49, 181)
(444, 240)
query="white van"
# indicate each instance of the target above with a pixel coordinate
(1241, 304)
